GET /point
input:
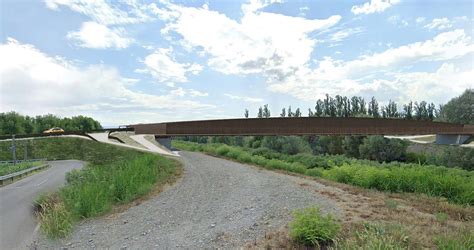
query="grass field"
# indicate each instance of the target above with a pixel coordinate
(113, 176)
(10, 168)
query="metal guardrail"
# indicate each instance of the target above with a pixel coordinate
(20, 161)
(20, 173)
(86, 134)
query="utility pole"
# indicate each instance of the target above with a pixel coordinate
(13, 149)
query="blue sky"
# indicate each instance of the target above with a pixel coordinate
(129, 61)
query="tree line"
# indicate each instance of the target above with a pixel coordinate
(15, 123)
(458, 110)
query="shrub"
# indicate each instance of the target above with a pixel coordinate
(382, 149)
(315, 172)
(222, 150)
(311, 228)
(297, 168)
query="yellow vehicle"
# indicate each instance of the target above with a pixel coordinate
(55, 130)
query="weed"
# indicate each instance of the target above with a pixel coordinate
(441, 217)
(392, 204)
(312, 228)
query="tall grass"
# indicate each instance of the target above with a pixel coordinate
(10, 168)
(311, 228)
(113, 175)
(456, 185)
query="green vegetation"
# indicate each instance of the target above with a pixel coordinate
(10, 168)
(456, 185)
(376, 236)
(14, 123)
(113, 175)
(311, 228)
(461, 240)
(459, 109)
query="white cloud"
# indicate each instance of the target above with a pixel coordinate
(440, 24)
(420, 19)
(98, 36)
(104, 13)
(244, 98)
(341, 77)
(433, 86)
(343, 34)
(373, 6)
(396, 20)
(164, 67)
(303, 10)
(181, 92)
(197, 93)
(260, 42)
(35, 83)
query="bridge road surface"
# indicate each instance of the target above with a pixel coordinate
(18, 224)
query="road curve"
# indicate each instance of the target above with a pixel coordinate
(18, 225)
(217, 204)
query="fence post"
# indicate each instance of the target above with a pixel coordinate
(26, 150)
(14, 149)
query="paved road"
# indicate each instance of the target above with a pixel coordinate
(217, 204)
(149, 147)
(17, 222)
(146, 143)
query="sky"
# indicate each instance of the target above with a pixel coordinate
(128, 61)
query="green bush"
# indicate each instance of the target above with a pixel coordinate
(312, 228)
(379, 148)
(315, 172)
(454, 184)
(223, 150)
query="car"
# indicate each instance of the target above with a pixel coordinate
(54, 130)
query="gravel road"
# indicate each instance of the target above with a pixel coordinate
(217, 203)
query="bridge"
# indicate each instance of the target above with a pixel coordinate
(447, 133)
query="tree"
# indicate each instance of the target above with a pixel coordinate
(246, 113)
(14, 123)
(374, 108)
(351, 145)
(266, 111)
(290, 114)
(283, 112)
(408, 111)
(310, 113)
(459, 109)
(421, 112)
(382, 149)
(297, 113)
(260, 112)
(319, 108)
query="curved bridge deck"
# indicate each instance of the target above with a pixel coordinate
(303, 126)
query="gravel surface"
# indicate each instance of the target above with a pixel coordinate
(217, 203)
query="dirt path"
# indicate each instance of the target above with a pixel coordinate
(218, 203)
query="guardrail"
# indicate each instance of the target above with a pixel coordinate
(20, 173)
(86, 134)
(20, 161)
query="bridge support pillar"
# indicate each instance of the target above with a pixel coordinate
(451, 139)
(164, 141)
